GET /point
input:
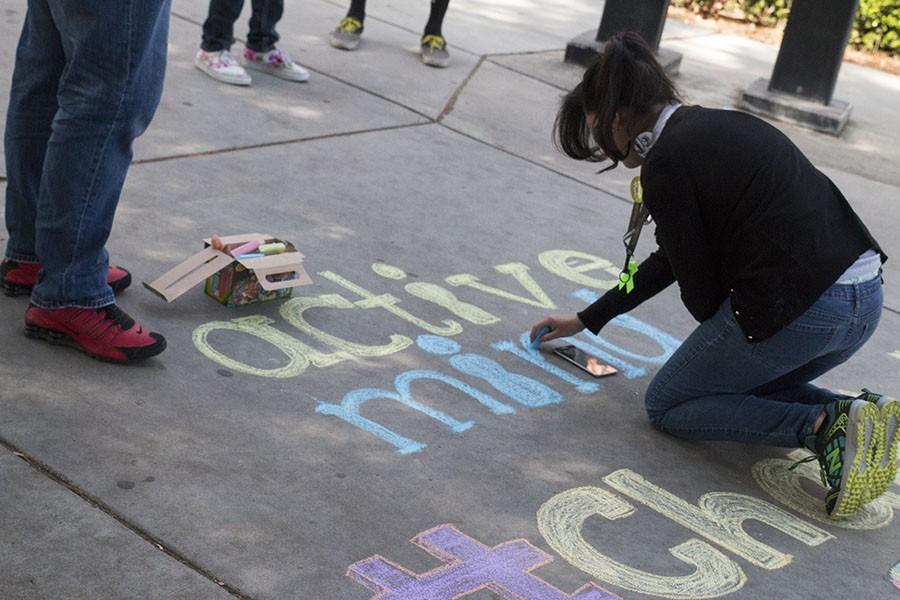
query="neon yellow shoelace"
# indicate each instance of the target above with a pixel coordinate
(349, 25)
(435, 42)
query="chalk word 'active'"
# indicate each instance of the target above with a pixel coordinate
(571, 265)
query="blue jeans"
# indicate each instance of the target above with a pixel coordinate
(87, 80)
(218, 29)
(719, 386)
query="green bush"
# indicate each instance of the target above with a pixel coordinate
(766, 12)
(876, 26)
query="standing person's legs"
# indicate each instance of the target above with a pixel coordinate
(261, 53)
(33, 105)
(218, 29)
(214, 57)
(436, 17)
(718, 386)
(433, 46)
(348, 32)
(107, 87)
(357, 10)
(266, 14)
(107, 98)
(40, 61)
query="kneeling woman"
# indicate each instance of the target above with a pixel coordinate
(782, 275)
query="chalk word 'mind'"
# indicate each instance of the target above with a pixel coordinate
(523, 390)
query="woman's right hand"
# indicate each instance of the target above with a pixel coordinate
(560, 326)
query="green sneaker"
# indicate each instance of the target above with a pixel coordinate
(882, 462)
(347, 35)
(843, 449)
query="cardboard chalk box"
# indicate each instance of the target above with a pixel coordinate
(233, 281)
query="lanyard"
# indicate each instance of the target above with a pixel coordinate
(639, 214)
(639, 217)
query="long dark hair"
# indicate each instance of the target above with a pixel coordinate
(627, 79)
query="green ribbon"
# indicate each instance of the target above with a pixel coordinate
(626, 277)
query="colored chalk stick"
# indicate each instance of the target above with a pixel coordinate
(536, 342)
(246, 248)
(274, 248)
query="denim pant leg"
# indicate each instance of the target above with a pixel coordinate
(793, 386)
(266, 14)
(707, 389)
(218, 29)
(40, 60)
(110, 87)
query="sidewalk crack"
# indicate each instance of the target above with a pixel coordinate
(154, 540)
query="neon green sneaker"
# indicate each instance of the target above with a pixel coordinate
(882, 462)
(843, 447)
(347, 35)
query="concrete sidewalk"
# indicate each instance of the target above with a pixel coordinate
(438, 224)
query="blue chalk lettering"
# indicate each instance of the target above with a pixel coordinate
(348, 409)
(668, 343)
(537, 359)
(436, 344)
(524, 390)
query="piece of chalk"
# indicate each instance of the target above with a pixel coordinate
(273, 248)
(536, 342)
(251, 255)
(247, 248)
(217, 243)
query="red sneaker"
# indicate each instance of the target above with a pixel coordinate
(106, 333)
(17, 278)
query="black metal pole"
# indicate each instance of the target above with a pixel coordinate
(802, 86)
(645, 17)
(813, 48)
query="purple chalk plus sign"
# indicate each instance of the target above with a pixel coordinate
(471, 566)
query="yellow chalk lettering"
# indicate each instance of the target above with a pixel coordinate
(773, 475)
(561, 519)
(572, 265)
(519, 271)
(444, 297)
(720, 516)
(257, 326)
(437, 295)
(293, 310)
(388, 302)
(891, 499)
(389, 271)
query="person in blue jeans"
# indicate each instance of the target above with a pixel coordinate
(771, 260)
(87, 80)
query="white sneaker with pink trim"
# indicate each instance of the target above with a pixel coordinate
(275, 62)
(222, 66)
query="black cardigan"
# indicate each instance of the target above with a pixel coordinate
(739, 212)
